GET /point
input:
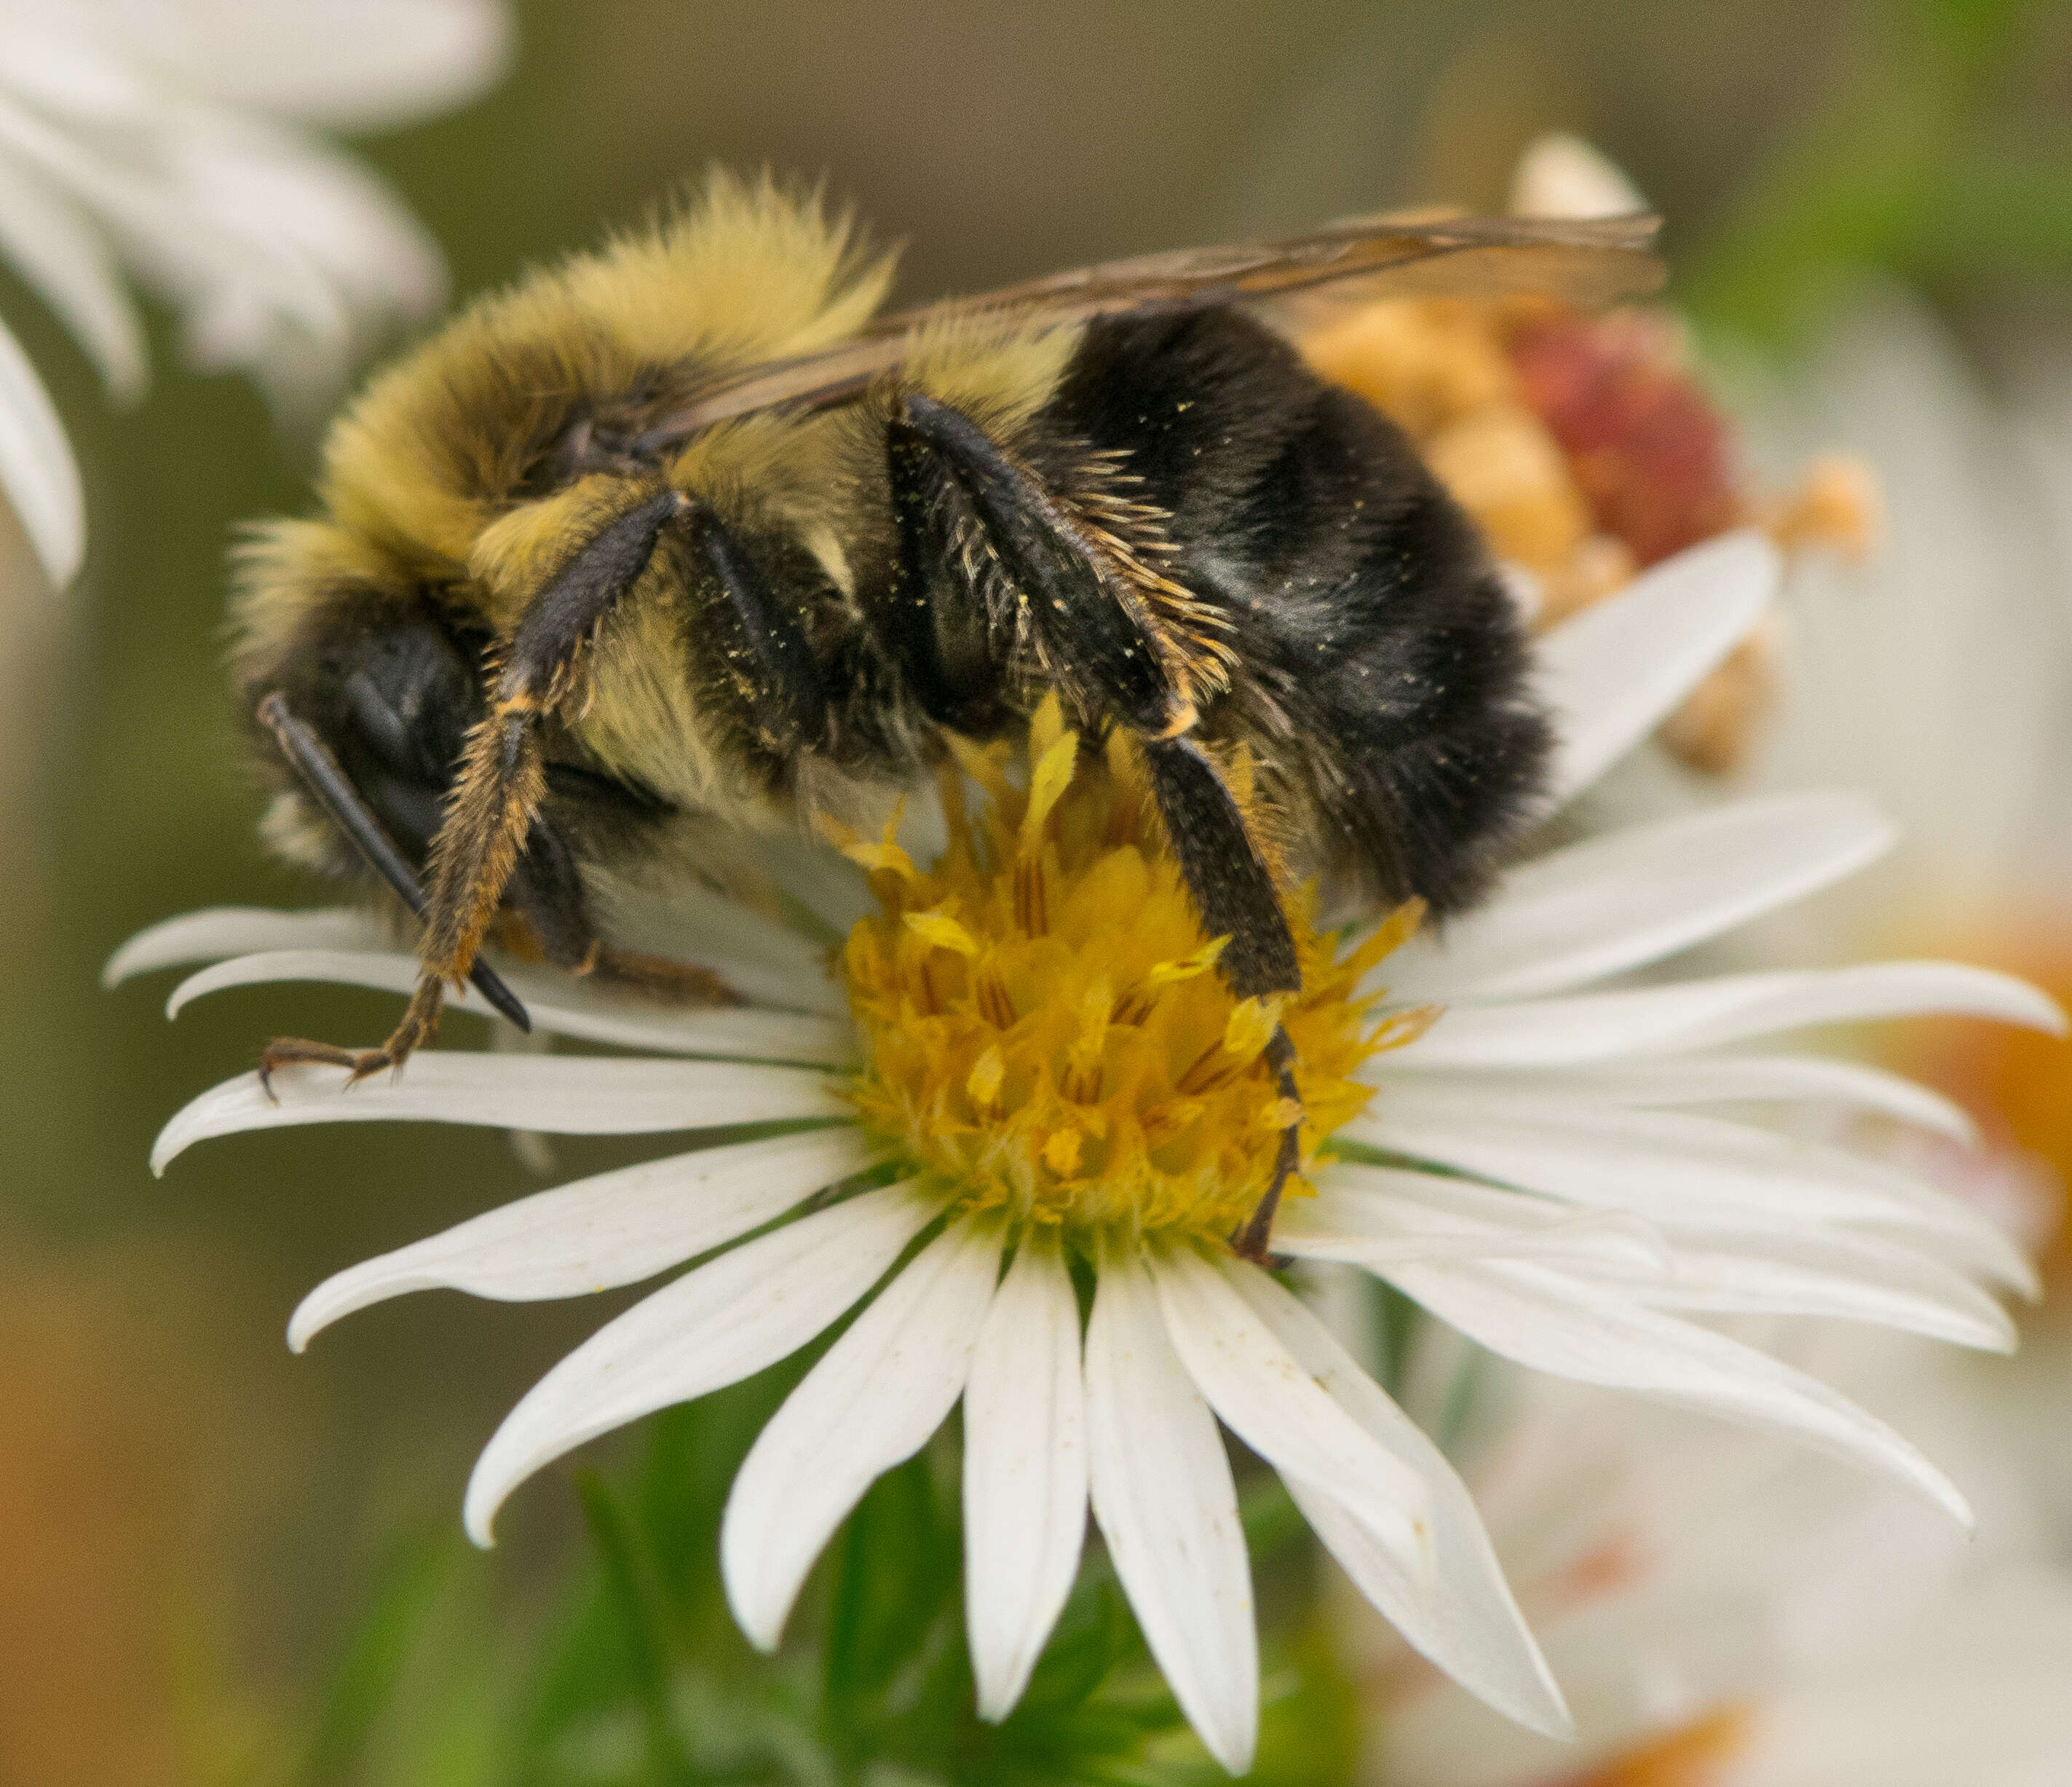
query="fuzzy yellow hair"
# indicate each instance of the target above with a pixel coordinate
(746, 271)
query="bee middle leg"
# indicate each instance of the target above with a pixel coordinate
(546, 914)
(1115, 656)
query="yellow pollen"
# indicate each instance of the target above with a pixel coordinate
(1045, 1030)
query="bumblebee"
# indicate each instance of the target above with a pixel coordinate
(684, 536)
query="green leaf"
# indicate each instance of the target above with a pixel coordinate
(633, 1601)
(891, 1601)
(406, 1593)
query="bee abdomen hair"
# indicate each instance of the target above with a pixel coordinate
(1378, 670)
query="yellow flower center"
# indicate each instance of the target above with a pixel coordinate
(1044, 1027)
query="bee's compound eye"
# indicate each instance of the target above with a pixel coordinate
(378, 716)
(412, 695)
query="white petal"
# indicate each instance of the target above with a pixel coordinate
(1025, 1472)
(1464, 1619)
(1613, 902)
(55, 249)
(221, 931)
(1378, 1217)
(1538, 1317)
(1270, 1402)
(1721, 1079)
(1561, 175)
(1858, 1278)
(614, 1229)
(37, 473)
(1685, 1016)
(369, 66)
(1972, 1692)
(884, 1387)
(1161, 1490)
(1670, 1167)
(713, 1327)
(1611, 675)
(560, 1003)
(558, 1094)
(762, 961)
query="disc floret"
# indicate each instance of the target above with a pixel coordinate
(1045, 1030)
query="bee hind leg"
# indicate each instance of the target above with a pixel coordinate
(1233, 886)
(1108, 629)
(1250, 1241)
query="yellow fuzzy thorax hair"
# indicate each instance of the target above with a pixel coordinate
(435, 446)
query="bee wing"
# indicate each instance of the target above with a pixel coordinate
(1585, 261)
(1398, 254)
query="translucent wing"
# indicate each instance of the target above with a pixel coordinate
(1588, 261)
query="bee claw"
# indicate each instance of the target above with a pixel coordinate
(1249, 1242)
(360, 1064)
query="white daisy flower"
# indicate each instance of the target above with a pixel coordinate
(1027, 1060)
(165, 140)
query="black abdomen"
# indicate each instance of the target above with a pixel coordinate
(1381, 667)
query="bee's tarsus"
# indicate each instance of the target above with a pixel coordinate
(299, 1051)
(1250, 1241)
(1227, 870)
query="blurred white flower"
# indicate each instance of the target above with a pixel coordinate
(1939, 677)
(1727, 1614)
(1523, 1162)
(1561, 175)
(165, 140)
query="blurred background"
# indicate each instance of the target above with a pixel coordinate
(192, 1519)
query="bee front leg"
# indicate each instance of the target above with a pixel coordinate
(502, 777)
(334, 791)
(420, 1019)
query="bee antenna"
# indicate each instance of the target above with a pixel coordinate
(333, 790)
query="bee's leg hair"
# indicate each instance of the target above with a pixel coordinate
(1104, 648)
(496, 795)
(1090, 629)
(773, 660)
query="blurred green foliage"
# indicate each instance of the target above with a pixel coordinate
(1942, 155)
(637, 1677)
